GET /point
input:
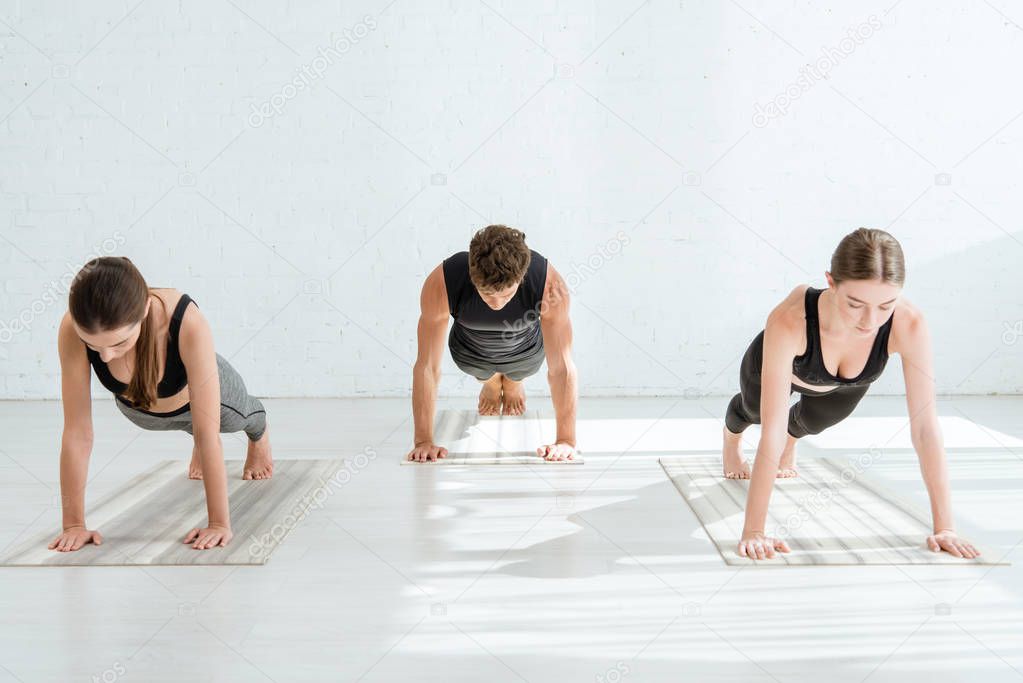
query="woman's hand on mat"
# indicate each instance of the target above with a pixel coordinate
(74, 538)
(210, 537)
(949, 541)
(755, 545)
(556, 451)
(426, 452)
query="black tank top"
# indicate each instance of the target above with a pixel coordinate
(809, 367)
(174, 377)
(502, 334)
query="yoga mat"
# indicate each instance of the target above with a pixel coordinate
(472, 439)
(145, 521)
(825, 517)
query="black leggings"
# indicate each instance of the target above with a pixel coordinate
(812, 414)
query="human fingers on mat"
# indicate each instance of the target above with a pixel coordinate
(950, 542)
(952, 548)
(211, 537)
(564, 451)
(191, 536)
(556, 451)
(75, 538)
(60, 542)
(206, 539)
(427, 452)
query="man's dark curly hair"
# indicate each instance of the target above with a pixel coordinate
(498, 258)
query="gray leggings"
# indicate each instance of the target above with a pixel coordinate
(238, 410)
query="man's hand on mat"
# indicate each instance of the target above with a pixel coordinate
(426, 452)
(210, 537)
(949, 541)
(74, 538)
(556, 451)
(757, 546)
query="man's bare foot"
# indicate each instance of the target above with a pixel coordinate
(735, 465)
(195, 467)
(513, 398)
(787, 462)
(490, 396)
(259, 462)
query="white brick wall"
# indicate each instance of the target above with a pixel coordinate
(305, 239)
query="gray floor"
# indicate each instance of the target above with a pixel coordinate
(595, 572)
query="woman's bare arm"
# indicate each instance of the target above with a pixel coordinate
(76, 438)
(913, 344)
(782, 337)
(200, 360)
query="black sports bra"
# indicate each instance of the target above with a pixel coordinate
(810, 368)
(174, 376)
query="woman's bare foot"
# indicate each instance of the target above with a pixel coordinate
(259, 462)
(735, 465)
(490, 396)
(787, 462)
(195, 467)
(514, 397)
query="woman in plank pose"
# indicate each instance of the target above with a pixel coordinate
(830, 345)
(155, 352)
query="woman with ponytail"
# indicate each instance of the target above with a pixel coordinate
(829, 345)
(154, 352)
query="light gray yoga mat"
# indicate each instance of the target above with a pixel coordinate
(145, 521)
(831, 514)
(472, 439)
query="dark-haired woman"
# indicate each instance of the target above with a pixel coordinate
(154, 350)
(830, 345)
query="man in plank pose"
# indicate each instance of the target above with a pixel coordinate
(510, 308)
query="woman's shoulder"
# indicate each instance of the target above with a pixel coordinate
(908, 324)
(790, 314)
(168, 295)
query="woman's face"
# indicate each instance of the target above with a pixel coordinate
(864, 305)
(111, 344)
